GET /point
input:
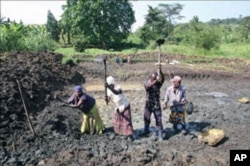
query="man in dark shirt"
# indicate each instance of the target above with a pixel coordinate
(152, 87)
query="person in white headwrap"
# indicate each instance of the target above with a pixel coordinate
(122, 117)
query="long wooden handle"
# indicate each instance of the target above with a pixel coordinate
(159, 61)
(105, 79)
(25, 108)
(159, 54)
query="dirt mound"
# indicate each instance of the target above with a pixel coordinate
(58, 140)
(39, 75)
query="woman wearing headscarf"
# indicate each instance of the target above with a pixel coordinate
(122, 117)
(92, 122)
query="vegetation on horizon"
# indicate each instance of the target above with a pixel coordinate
(103, 29)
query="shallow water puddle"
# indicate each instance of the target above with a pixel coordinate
(216, 94)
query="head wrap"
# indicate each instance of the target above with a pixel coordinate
(110, 80)
(78, 88)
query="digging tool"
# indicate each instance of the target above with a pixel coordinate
(105, 80)
(159, 42)
(25, 108)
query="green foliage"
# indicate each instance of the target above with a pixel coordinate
(152, 45)
(67, 51)
(245, 29)
(207, 39)
(52, 27)
(134, 38)
(232, 50)
(103, 24)
(10, 36)
(37, 39)
(95, 51)
(225, 51)
(80, 45)
(100, 27)
(226, 21)
(155, 23)
(181, 34)
(228, 33)
(159, 22)
(70, 61)
(18, 37)
(65, 23)
(145, 34)
(197, 34)
(171, 11)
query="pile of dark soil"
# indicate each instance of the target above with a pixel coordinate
(39, 76)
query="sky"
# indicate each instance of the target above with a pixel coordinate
(35, 12)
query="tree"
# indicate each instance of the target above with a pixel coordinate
(245, 28)
(145, 34)
(3, 21)
(11, 34)
(202, 35)
(66, 21)
(159, 21)
(181, 34)
(52, 27)
(154, 26)
(171, 13)
(101, 23)
(153, 19)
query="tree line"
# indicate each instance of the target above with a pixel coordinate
(106, 24)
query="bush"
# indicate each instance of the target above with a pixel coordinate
(207, 40)
(68, 61)
(79, 46)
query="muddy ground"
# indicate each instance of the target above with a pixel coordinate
(56, 140)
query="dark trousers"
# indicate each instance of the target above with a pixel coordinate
(155, 108)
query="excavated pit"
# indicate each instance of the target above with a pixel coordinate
(57, 140)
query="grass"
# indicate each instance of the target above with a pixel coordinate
(67, 51)
(235, 51)
(225, 51)
(201, 58)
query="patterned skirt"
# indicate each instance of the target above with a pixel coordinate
(123, 122)
(92, 122)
